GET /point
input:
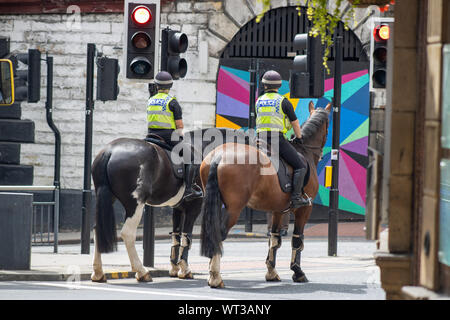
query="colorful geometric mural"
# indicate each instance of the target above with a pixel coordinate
(233, 108)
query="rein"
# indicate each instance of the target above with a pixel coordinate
(318, 153)
(315, 150)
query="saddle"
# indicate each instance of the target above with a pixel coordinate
(284, 171)
(178, 169)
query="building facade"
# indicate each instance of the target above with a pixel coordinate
(414, 251)
(63, 31)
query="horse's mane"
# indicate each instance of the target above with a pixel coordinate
(313, 125)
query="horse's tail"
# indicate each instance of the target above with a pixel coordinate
(105, 224)
(213, 226)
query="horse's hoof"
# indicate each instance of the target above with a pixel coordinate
(101, 280)
(300, 278)
(271, 277)
(174, 272)
(276, 279)
(186, 276)
(145, 278)
(221, 285)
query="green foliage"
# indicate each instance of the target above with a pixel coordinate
(266, 7)
(323, 23)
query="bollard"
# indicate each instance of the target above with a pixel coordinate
(16, 214)
(149, 237)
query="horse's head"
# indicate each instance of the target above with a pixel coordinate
(315, 130)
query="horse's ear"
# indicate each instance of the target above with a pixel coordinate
(311, 107)
(328, 107)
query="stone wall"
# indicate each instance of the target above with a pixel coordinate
(209, 25)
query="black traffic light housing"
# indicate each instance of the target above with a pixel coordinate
(4, 47)
(141, 39)
(107, 73)
(307, 76)
(382, 32)
(379, 56)
(28, 81)
(173, 43)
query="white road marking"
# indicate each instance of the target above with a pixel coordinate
(147, 292)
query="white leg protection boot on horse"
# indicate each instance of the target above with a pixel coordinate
(186, 242)
(174, 254)
(274, 244)
(215, 280)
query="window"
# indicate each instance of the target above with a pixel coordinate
(444, 241)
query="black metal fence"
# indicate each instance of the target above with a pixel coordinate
(45, 220)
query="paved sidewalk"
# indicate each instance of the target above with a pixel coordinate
(69, 265)
(346, 230)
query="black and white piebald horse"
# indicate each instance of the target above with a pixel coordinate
(136, 173)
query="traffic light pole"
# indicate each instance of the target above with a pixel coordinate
(87, 195)
(49, 114)
(333, 216)
(251, 125)
(251, 111)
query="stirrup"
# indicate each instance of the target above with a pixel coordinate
(301, 202)
(194, 193)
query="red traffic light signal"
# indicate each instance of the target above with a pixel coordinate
(141, 15)
(382, 33)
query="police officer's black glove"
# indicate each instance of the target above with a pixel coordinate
(298, 140)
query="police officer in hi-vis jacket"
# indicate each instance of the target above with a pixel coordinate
(164, 118)
(275, 115)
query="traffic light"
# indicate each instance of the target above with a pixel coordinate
(307, 76)
(382, 32)
(172, 44)
(107, 74)
(28, 81)
(141, 38)
(7, 83)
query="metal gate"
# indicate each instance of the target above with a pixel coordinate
(272, 37)
(269, 44)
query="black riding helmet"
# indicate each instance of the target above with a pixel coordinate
(272, 80)
(163, 80)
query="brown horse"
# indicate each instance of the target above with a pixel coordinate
(242, 175)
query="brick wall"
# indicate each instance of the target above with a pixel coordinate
(209, 24)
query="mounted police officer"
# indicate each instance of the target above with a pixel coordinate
(164, 118)
(275, 115)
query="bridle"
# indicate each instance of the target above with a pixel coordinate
(316, 150)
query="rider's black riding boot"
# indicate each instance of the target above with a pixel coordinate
(297, 199)
(192, 191)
